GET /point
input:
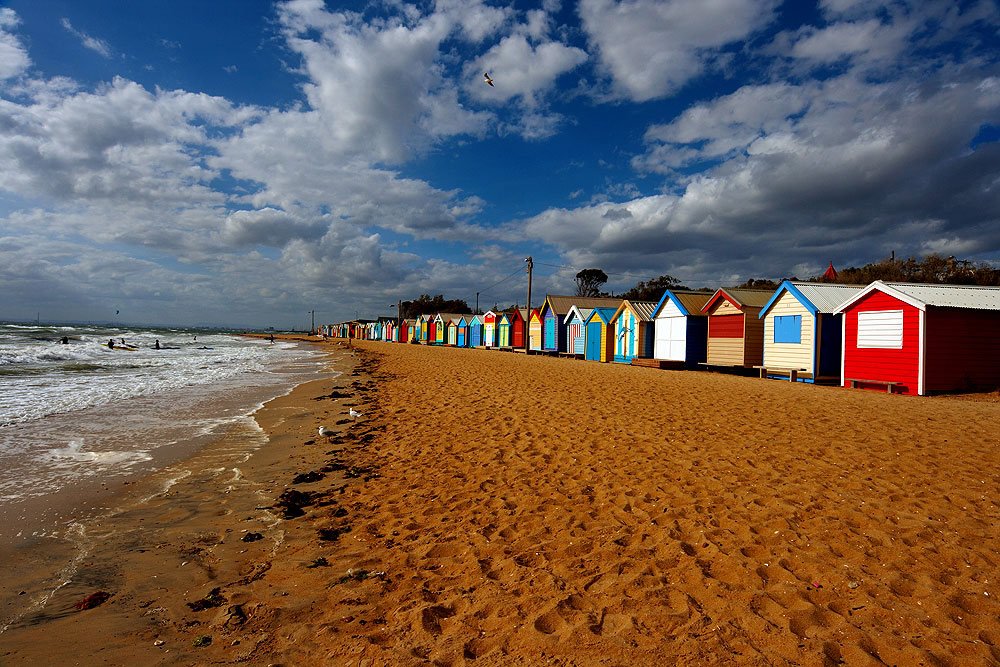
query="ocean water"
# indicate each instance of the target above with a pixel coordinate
(79, 417)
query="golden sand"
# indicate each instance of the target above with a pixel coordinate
(492, 508)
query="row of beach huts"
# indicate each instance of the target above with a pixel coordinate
(898, 337)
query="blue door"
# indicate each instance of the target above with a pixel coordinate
(550, 333)
(461, 336)
(594, 341)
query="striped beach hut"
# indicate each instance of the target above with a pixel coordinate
(802, 332)
(735, 333)
(681, 329)
(921, 338)
(535, 330)
(553, 314)
(632, 325)
(599, 339)
(490, 329)
(576, 330)
(476, 331)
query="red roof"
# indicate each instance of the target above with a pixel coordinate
(831, 273)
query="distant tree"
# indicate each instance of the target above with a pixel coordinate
(438, 304)
(653, 289)
(761, 283)
(590, 281)
(931, 269)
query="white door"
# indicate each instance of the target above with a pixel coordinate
(671, 338)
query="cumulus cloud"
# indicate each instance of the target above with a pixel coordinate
(802, 171)
(13, 57)
(650, 49)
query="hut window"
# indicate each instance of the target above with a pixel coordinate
(788, 329)
(880, 329)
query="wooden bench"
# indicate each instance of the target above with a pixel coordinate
(889, 386)
(792, 373)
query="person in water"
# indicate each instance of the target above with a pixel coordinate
(157, 346)
(111, 343)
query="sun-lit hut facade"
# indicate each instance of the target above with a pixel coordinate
(802, 332)
(632, 325)
(735, 332)
(576, 329)
(553, 315)
(535, 330)
(476, 331)
(920, 338)
(681, 328)
(463, 331)
(599, 338)
(490, 319)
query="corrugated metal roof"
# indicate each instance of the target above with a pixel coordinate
(562, 304)
(604, 314)
(826, 296)
(584, 313)
(644, 309)
(693, 302)
(977, 297)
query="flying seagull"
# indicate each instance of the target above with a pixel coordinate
(486, 75)
(325, 432)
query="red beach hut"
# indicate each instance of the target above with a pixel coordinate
(918, 338)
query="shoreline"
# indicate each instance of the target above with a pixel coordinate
(495, 509)
(170, 533)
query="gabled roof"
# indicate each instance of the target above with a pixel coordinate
(688, 302)
(921, 295)
(814, 297)
(642, 309)
(603, 314)
(561, 304)
(582, 313)
(741, 298)
(475, 319)
(448, 316)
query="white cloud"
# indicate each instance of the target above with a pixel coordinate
(96, 45)
(13, 57)
(520, 69)
(650, 48)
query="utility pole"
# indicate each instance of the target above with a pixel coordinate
(399, 316)
(312, 313)
(477, 303)
(528, 320)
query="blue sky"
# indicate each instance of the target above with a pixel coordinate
(243, 162)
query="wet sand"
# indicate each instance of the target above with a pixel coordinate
(496, 509)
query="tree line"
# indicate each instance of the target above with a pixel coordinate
(931, 269)
(590, 282)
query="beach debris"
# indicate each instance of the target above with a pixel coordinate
(291, 502)
(852, 584)
(332, 534)
(93, 600)
(307, 477)
(236, 615)
(318, 562)
(202, 640)
(214, 598)
(325, 432)
(159, 642)
(252, 537)
(356, 575)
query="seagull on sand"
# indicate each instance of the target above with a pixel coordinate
(325, 432)
(486, 75)
(354, 413)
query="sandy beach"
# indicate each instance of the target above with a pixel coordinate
(499, 509)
